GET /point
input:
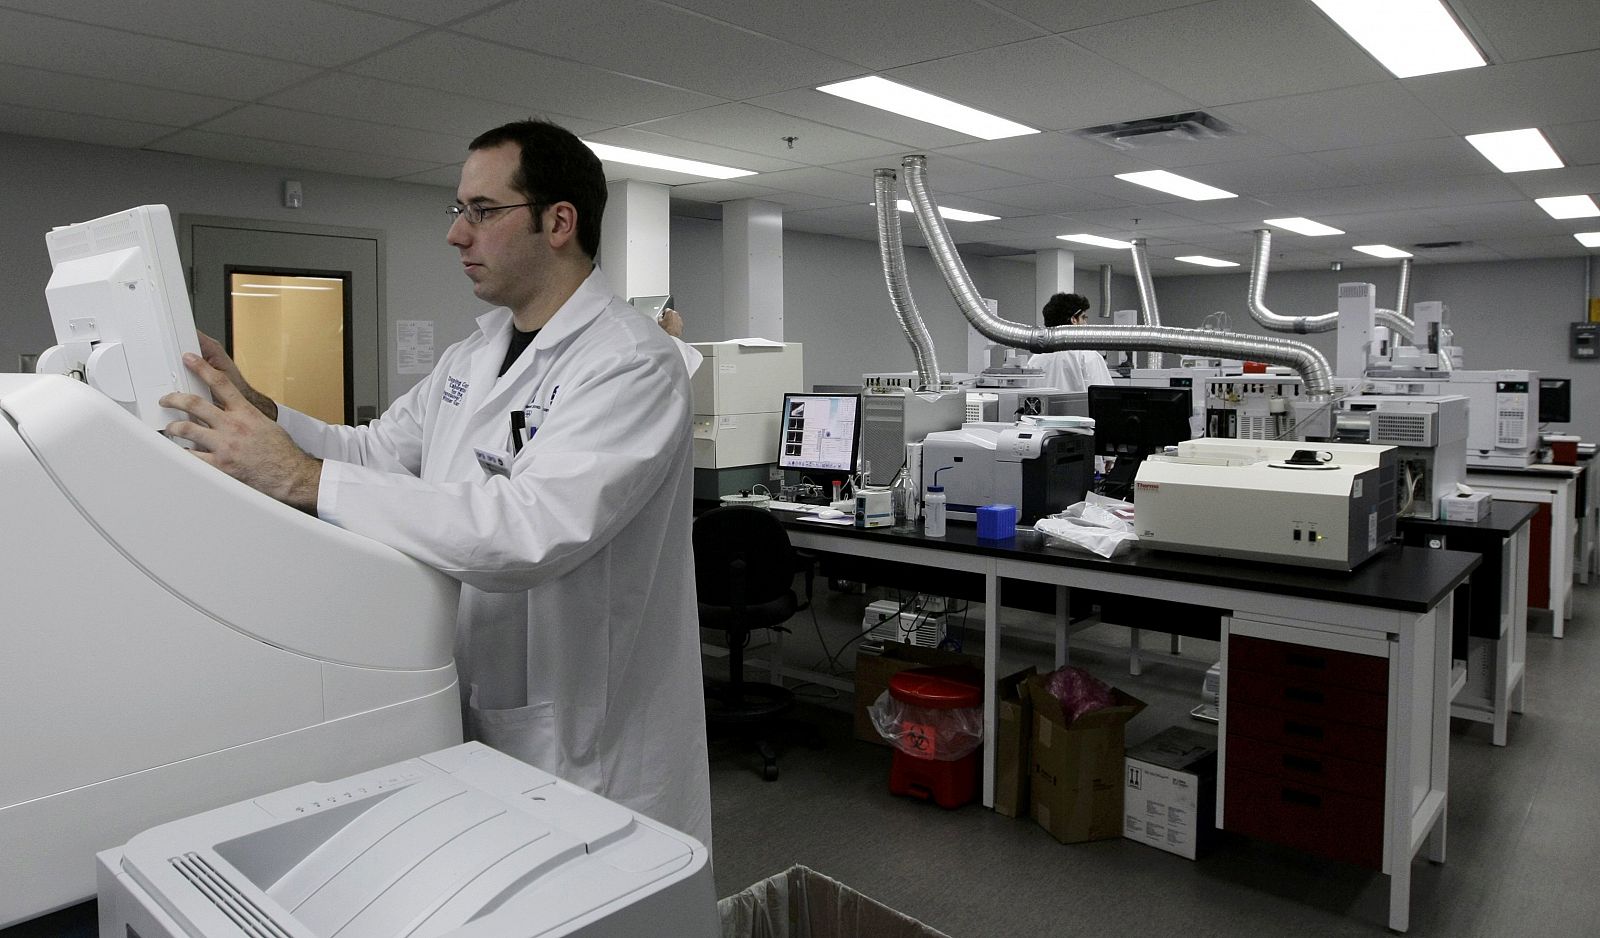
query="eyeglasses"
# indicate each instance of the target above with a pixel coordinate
(475, 213)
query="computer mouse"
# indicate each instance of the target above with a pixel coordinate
(830, 513)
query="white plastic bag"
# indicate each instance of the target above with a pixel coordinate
(1098, 525)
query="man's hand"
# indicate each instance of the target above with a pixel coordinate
(214, 354)
(236, 437)
(672, 322)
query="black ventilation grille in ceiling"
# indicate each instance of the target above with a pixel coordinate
(1437, 245)
(1188, 127)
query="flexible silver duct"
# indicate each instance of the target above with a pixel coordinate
(1402, 303)
(1398, 323)
(1149, 312)
(1105, 291)
(1310, 363)
(894, 274)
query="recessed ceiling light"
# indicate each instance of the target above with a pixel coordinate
(1305, 226)
(1407, 37)
(1180, 186)
(954, 214)
(658, 161)
(1589, 239)
(1517, 151)
(1204, 261)
(919, 105)
(1381, 250)
(1097, 241)
(1569, 206)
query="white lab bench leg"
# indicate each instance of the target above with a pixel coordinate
(991, 679)
(1063, 625)
(1135, 663)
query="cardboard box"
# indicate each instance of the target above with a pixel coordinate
(1012, 745)
(1170, 793)
(802, 903)
(873, 673)
(1075, 787)
(1469, 508)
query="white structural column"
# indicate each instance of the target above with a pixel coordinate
(1052, 274)
(752, 269)
(636, 239)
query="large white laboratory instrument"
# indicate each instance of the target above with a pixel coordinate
(175, 640)
(1327, 505)
(1252, 406)
(1429, 435)
(738, 396)
(1502, 411)
(464, 842)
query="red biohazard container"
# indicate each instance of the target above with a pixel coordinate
(949, 783)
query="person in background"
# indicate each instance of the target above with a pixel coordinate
(545, 463)
(1070, 369)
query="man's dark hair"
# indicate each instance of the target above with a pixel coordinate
(1059, 309)
(555, 167)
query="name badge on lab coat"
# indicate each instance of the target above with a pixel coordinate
(494, 462)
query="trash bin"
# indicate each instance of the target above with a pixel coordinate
(938, 732)
(802, 903)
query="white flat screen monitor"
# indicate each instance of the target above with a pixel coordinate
(121, 311)
(819, 431)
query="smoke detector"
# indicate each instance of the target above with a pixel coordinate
(1188, 127)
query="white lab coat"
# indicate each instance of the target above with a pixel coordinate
(577, 637)
(1071, 369)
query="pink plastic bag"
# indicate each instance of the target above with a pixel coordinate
(1078, 690)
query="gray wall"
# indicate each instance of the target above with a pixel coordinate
(45, 183)
(1506, 314)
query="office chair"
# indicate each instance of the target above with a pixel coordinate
(743, 570)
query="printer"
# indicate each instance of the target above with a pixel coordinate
(462, 842)
(1326, 505)
(1039, 469)
(152, 670)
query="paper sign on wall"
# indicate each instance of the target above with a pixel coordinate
(413, 346)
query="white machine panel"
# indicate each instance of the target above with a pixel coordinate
(465, 841)
(738, 393)
(177, 640)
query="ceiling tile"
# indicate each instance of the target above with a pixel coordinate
(944, 174)
(722, 190)
(31, 87)
(1397, 162)
(97, 52)
(637, 139)
(300, 156)
(1056, 157)
(1366, 115)
(1516, 31)
(1521, 219)
(1554, 246)
(1268, 175)
(849, 188)
(1045, 83)
(1572, 180)
(446, 176)
(758, 130)
(1244, 210)
(1539, 93)
(105, 131)
(1120, 223)
(534, 82)
(1058, 17)
(338, 133)
(877, 35)
(1045, 197)
(434, 12)
(1245, 147)
(293, 30)
(1578, 144)
(659, 43)
(1230, 51)
(360, 98)
(1432, 193)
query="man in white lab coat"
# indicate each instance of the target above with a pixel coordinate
(546, 464)
(1069, 369)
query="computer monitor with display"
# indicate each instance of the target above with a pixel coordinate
(819, 435)
(1131, 423)
(121, 312)
(1555, 400)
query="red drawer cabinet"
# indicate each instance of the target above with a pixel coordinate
(1306, 748)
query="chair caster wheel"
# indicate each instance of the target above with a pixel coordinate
(769, 772)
